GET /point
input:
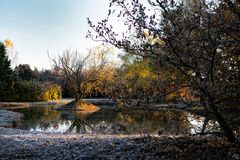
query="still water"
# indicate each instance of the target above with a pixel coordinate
(46, 119)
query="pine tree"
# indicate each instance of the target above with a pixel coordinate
(6, 76)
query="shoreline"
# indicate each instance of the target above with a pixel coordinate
(64, 101)
(23, 144)
(14, 105)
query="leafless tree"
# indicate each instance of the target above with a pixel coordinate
(81, 73)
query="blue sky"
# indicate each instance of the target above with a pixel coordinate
(38, 26)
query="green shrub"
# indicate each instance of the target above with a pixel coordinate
(27, 91)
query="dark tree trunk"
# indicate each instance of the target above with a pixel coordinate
(223, 124)
(226, 129)
(78, 128)
(219, 118)
(78, 98)
(205, 124)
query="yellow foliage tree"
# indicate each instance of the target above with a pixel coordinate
(8, 43)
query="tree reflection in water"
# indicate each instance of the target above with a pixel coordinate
(138, 122)
(80, 122)
(163, 122)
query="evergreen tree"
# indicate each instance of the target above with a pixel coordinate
(6, 76)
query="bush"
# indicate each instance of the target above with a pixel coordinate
(29, 91)
(51, 92)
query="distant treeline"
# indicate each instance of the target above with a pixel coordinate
(22, 84)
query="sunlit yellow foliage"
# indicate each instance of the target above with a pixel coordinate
(52, 92)
(138, 74)
(105, 75)
(140, 69)
(8, 43)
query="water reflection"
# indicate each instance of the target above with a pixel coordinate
(80, 123)
(46, 119)
(201, 125)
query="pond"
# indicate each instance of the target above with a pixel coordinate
(107, 121)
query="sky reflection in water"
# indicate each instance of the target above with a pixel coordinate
(46, 119)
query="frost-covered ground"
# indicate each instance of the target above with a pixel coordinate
(18, 144)
(8, 118)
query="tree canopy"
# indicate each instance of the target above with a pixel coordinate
(81, 74)
(199, 40)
